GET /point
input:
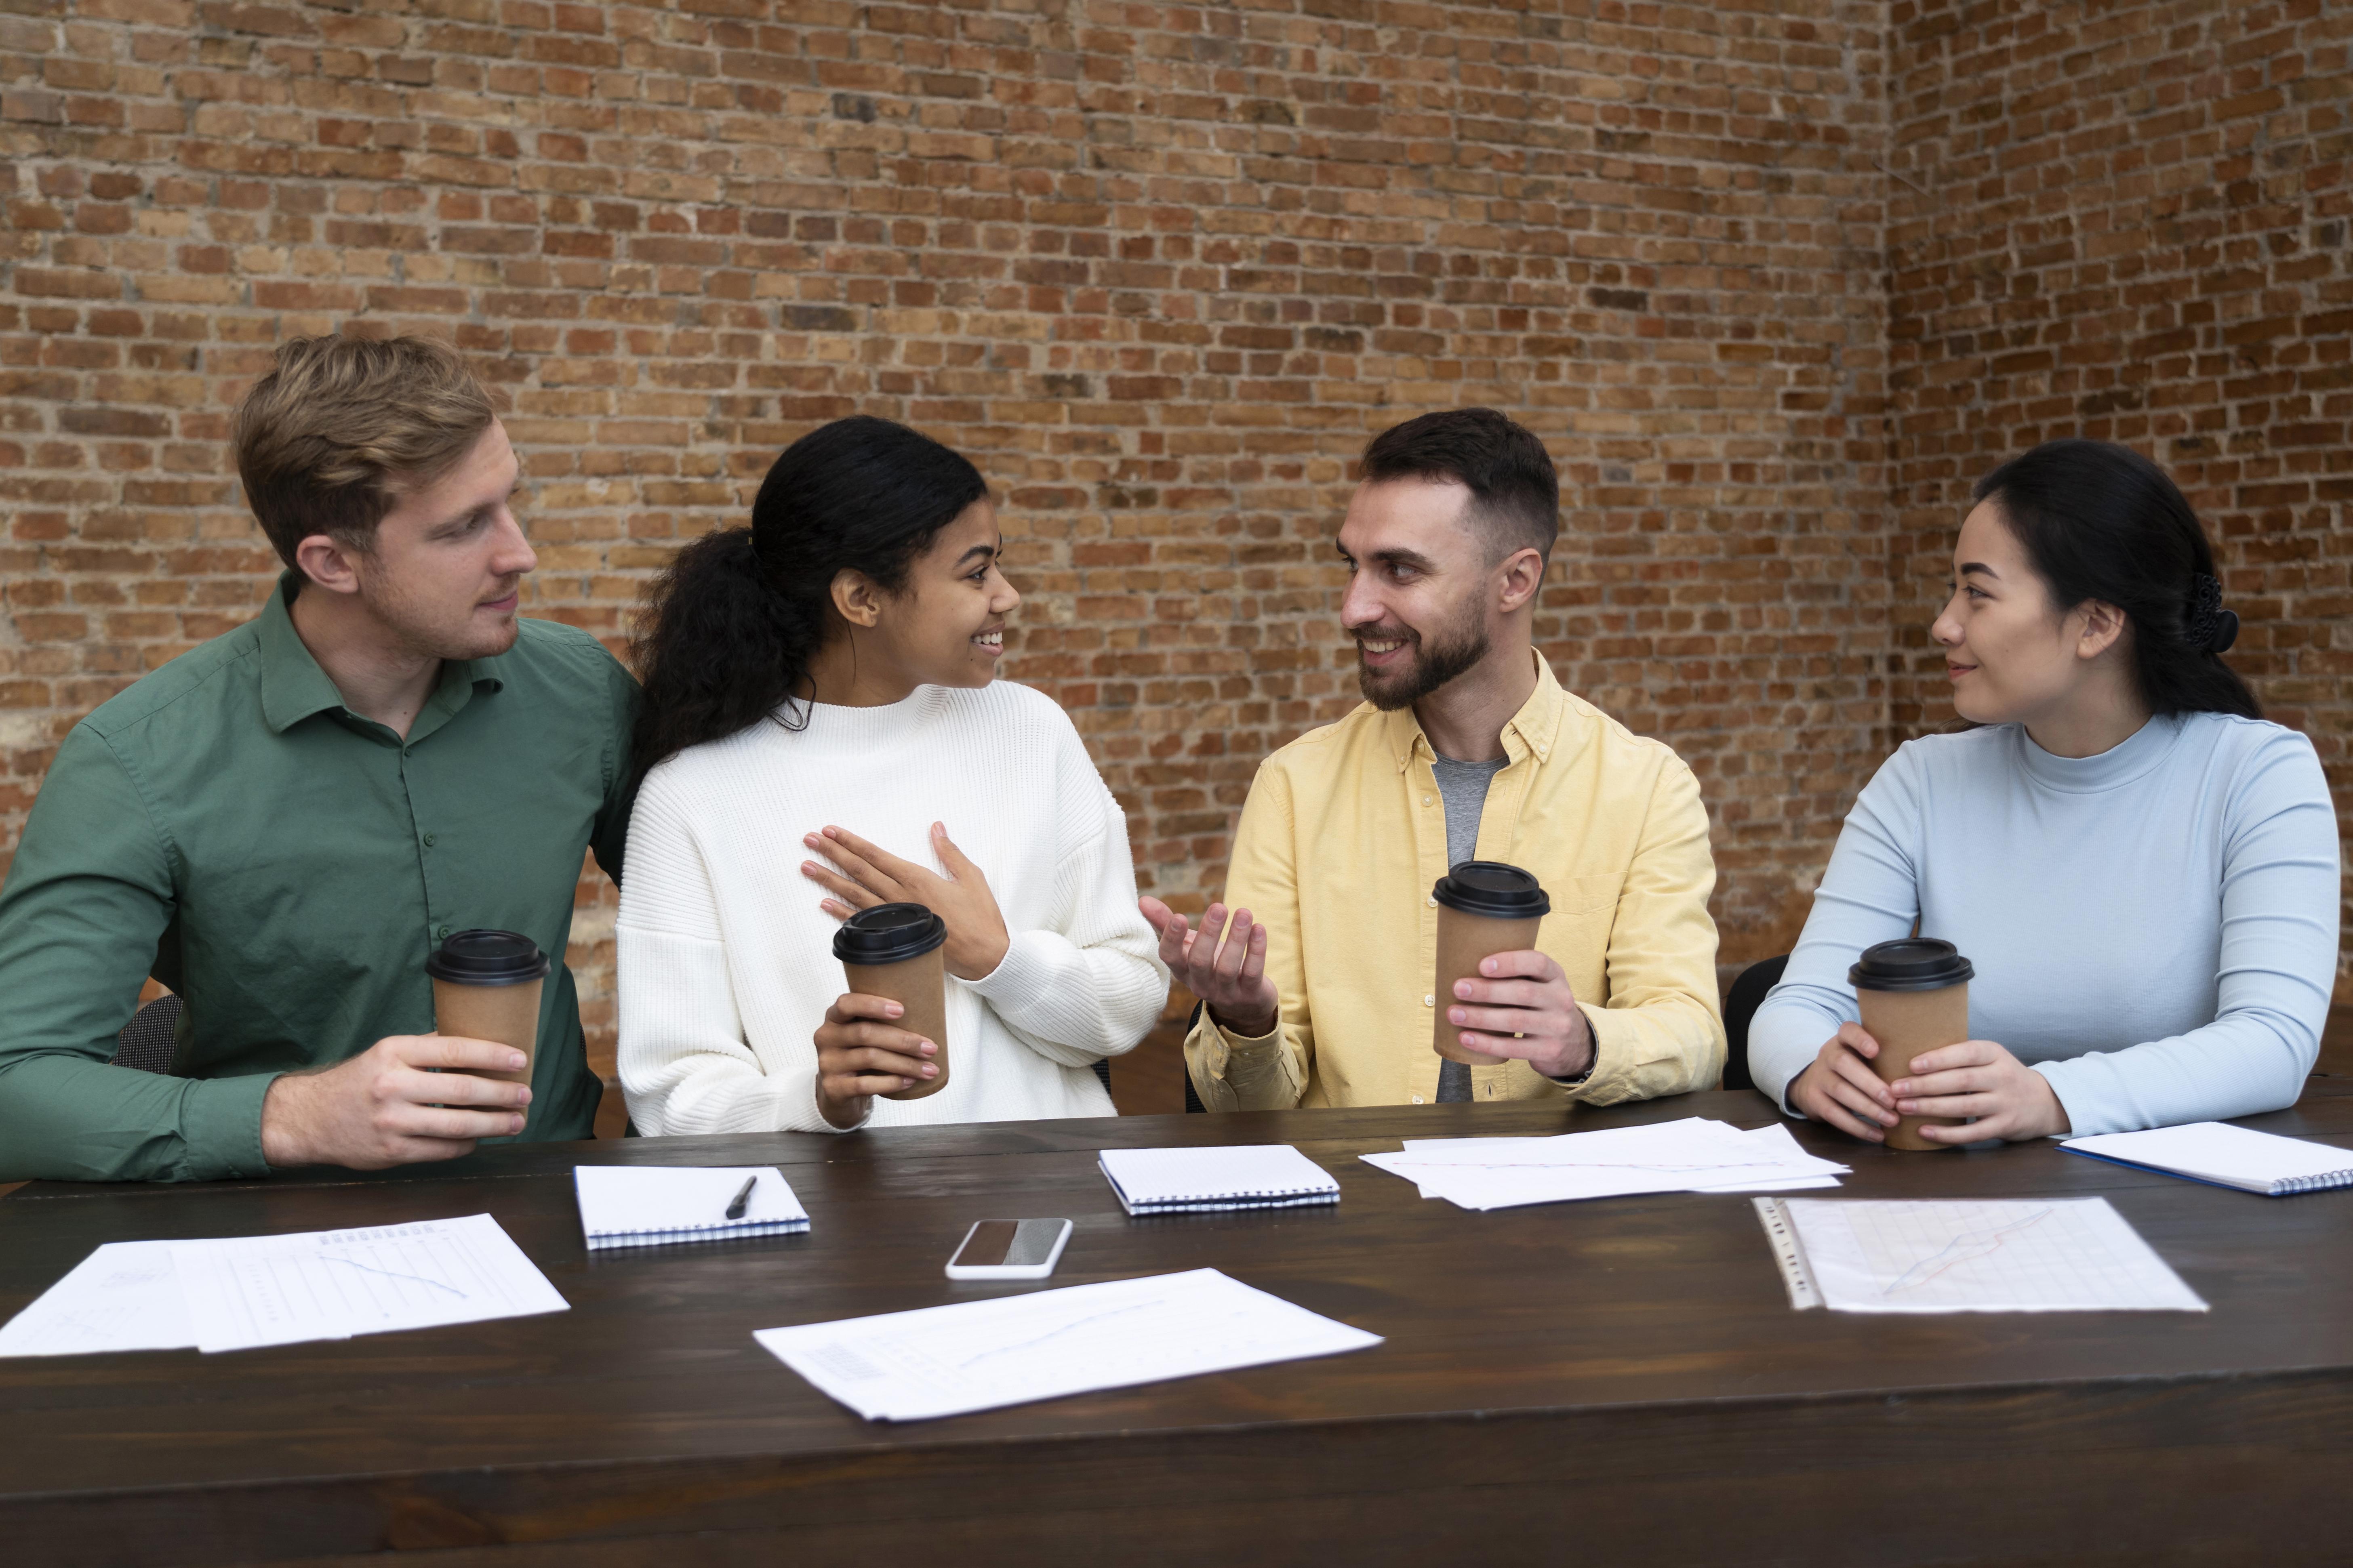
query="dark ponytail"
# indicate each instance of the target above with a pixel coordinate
(731, 626)
(2101, 521)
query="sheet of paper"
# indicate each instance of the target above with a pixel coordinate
(332, 1284)
(2039, 1255)
(2218, 1151)
(638, 1206)
(980, 1355)
(1246, 1175)
(123, 1297)
(1689, 1155)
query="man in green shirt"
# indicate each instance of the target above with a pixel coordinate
(281, 824)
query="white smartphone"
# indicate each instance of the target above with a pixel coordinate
(1010, 1249)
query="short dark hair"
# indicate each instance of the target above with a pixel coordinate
(2101, 521)
(1514, 491)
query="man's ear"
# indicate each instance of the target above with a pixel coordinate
(2104, 627)
(1521, 574)
(330, 563)
(856, 598)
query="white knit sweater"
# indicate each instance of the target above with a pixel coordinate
(726, 963)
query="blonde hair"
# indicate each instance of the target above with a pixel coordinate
(328, 440)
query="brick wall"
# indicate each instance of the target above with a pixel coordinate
(2128, 221)
(1160, 269)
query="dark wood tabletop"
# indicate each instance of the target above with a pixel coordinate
(1622, 1379)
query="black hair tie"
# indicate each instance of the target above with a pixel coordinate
(2208, 626)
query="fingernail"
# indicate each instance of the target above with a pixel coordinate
(906, 1083)
(514, 1061)
(892, 1009)
(1487, 966)
(1457, 1015)
(931, 1072)
(928, 1048)
(1463, 989)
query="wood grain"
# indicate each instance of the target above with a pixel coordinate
(1625, 1376)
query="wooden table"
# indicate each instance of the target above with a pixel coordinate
(1611, 1382)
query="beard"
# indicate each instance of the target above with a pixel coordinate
(1450, 650)
(430, 626)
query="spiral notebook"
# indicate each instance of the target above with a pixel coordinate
(2225, 1156)
(1252, 1176)
(650, 1206)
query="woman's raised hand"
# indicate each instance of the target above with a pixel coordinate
(868, 876)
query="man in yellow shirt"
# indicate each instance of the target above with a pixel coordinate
(1319, 989)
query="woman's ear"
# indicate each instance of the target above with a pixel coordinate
(2104, 628)
(856, 598)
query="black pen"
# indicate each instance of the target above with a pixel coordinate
(735, 1209)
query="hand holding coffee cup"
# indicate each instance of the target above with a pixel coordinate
(406, 1100)
(1497, 998)
(888, 1036)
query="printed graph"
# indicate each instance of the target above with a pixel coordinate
(2037, 1255)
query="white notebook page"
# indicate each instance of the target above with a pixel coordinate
(1151, 1176)
(637, 1200)
(2218, 1151)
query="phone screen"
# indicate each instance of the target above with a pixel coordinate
(1009, 1243)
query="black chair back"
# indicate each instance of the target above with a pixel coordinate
(1102, 1071)
(145, 1042)
(1739, 1007)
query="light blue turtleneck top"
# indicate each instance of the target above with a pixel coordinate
(2154, 928)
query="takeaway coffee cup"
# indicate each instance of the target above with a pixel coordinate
(486, 986)
(1484, 908)
(1914, 996)
(895, 951)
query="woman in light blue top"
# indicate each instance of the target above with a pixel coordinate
(2142, 871)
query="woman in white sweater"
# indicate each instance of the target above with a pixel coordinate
(823, 733)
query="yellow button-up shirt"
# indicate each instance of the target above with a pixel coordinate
(1340, 843)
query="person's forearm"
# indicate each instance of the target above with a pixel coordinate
(66, 1118)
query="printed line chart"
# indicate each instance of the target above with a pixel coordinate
(2072, 1256)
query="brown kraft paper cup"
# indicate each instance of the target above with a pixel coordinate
(486, 986)
(1914, 997)
(1484, 908)
(869, 944)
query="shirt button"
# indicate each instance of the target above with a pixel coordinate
(428, 841)
(1417, 1099)
(1431, 1000)
(1424, 800)
(1431, 901)
(443, 932)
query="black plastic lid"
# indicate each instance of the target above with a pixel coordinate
(487, 958)
(889, 933)
(1912, 963)
(1492, 888)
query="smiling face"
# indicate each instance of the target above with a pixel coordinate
(444, 571)
(2012, 656)
(945, 624)
(1419, 588)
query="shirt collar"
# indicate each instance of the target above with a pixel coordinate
(1534, 731)
(294, 687)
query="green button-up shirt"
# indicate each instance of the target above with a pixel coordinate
(229, 826)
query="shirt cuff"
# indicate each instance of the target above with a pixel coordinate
(222, 1118)
(1020, 975)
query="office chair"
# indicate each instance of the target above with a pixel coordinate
(1739, 1007)
(145, 1042)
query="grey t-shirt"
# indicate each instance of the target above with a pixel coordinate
(1463, 788)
